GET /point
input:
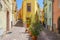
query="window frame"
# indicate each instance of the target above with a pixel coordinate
(0, 6)
(28, 7)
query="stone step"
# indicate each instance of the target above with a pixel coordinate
(19, 23)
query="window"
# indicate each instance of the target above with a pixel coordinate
(50, 20)
(46, 1)
(0, 6)
(38, 5)
(14, 0)
(50, 7)
(59, 3)
(29, 7)
(52, 0)
(8, 0)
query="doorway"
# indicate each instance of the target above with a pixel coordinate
(7, 28)
(59, 25)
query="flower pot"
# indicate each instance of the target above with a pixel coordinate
(28, 25)
(30, 34)
(34, 37)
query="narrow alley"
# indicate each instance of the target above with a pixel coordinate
(29, 19)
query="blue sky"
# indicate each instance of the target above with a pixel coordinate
(19, 3)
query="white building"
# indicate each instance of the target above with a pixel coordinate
(5, 16)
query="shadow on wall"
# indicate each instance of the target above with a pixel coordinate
(58, 25)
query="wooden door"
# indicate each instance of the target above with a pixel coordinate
(7, 21)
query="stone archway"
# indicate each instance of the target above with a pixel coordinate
(59, 25)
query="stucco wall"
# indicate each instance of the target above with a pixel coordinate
(33, 9)
(3, 17)
(56, 13)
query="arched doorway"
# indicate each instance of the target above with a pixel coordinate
(59, 25)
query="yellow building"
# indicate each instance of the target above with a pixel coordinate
(30, 11)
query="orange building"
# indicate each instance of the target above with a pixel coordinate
(56, 16)
(20, 16)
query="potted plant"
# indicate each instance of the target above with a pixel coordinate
(30, 29)
(33, 33)
(35, 29)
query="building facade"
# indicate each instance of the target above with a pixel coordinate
(42, 16)
(48, 13)
(20, 15)
(56, 16)
(45, 12)
(30, 10)
(14, 12)
(5, 16)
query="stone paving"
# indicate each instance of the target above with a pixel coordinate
(48, 35)
(18, 33)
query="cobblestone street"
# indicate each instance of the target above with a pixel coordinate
(48, 35)
(18, 33)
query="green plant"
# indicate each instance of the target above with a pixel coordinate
(35, 28)
(30, 28)
(33, 31)
(38, 26)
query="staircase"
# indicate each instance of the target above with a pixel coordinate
(19, 23)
